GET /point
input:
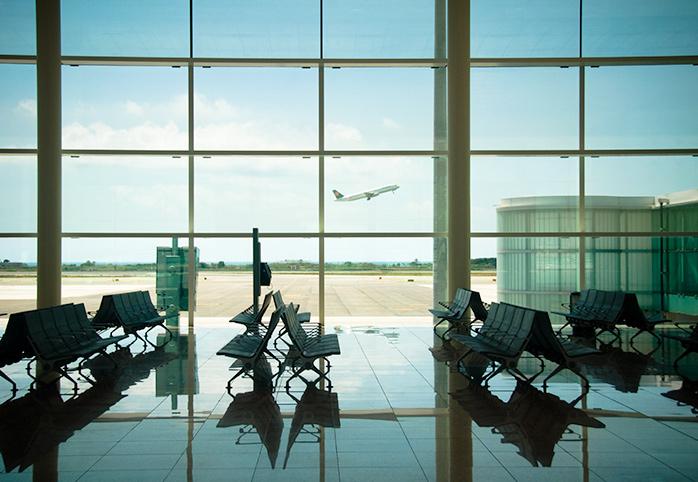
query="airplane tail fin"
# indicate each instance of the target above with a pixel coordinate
(337, 194)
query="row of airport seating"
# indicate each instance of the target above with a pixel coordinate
(58, 336)
(508, 331)
(298, 344)
(303, 347)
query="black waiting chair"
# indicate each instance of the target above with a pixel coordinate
(605, 310)
(13, 345)
(132, 311)
(250, 319)
(596, 310)
(63, 334)
(502, 339)
(301, 316)
(249, 347)
(456, 312)
(544, 343)
(306, 348)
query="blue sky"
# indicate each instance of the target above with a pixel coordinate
(365, 108)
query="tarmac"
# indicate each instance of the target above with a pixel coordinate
(222, 295)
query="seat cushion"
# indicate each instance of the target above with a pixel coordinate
(320, 346)
(242, 346)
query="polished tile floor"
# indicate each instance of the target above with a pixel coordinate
(394, 413)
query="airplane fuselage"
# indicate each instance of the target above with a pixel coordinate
(367, 195)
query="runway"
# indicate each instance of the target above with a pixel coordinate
(224, 294)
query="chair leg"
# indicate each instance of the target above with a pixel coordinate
(436, 325)
(14, 385)
(143, 340)
(168, 332)
(495, 372)
(585, 387)
(559, 331)
(145, 337)
(551, 375)
(653, 334)
(89, 379)
(32, 385)
(64, 373)
(519, 375)
(229, 385)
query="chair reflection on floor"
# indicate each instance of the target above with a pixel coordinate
(689, 342)
(317, 408)
(257, 412)
(531, 420)
(622, 369)
(31, 426)
(686, 395)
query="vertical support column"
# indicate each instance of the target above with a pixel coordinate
(321, 195)
(440, 168)
(321, 175)
(460, 440)
(582, 174)
(440, 248)
(191, 254)
(48, 89)
(458, 145)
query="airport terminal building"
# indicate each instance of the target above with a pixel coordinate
(337, 240)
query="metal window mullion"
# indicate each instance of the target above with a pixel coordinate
(191, 258)
(693, 151)
(582, 177)
(321, 193)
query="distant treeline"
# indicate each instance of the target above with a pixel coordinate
(477, 264)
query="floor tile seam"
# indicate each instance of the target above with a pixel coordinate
(169, 472)
(430, 383)
(680, 471)
(411, 330)
(649, 454)
(114, 444)
(256, 465)
(336, 454)
(631, 409)
(663, 422)
(392, 409)
(374, 374)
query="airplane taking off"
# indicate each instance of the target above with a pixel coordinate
(366, 194)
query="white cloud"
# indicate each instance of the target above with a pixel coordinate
(211, 110)
(342, 135)
(254, 135)
(26, 107)
(134, 108)
(144, 136)
(389, 123)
